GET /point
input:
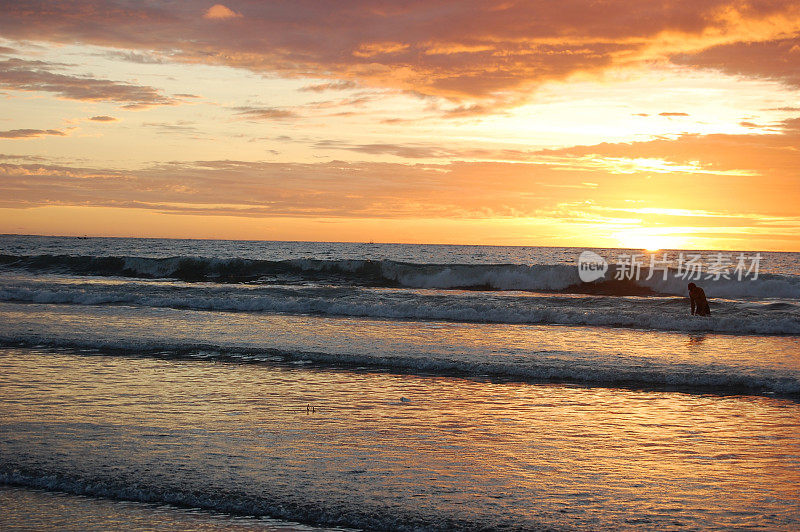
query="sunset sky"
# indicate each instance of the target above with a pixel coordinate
(573, 123)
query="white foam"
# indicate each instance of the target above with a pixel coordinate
(642, 313)
(498, 277)
(537, 367)
(557, 277)
(766, 286)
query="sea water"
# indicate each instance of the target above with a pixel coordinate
(181, 384)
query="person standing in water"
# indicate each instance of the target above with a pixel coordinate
(698, 300)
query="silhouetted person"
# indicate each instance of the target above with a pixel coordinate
(698, 300)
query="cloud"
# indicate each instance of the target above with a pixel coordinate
(469, 52)
(576, 190)
(332, 86)
(181, 126)
(220, 12)
(464, 111)
(430, 151)
(103, 118)
(8, 156)
(372, 49)
(773, 59)
(664, 178)
(791, 125)
(716, 171)
(135, 57)
(264, 113)
(23, 75)
(354, 101)
(30, 133)
(406, 151)
(673, 114)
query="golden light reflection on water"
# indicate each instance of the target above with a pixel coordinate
(387, 340)
(429, 443)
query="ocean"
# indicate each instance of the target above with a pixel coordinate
(209, 384)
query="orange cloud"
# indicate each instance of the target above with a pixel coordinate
(723, 172)
(264, 113)
(369, 50)
(660, 178)
(777, 59)
(454, 195)
(332, 86)
(464, 51)
(22, 75)
(220, 12)
(30, 133)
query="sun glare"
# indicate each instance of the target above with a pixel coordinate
(648, 240)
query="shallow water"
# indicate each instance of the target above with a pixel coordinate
(607, 356)
(190, 384)
(388, 450)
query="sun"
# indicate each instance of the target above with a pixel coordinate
(648, 239)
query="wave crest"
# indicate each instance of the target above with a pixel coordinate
(387, 273)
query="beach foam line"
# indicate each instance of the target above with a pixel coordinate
(273, 506)
(666, 314)
(690, 378)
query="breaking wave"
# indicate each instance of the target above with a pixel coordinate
(665, 313)
(387, 273)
